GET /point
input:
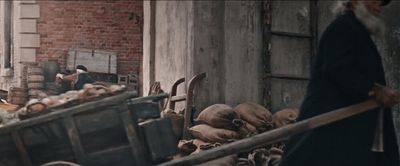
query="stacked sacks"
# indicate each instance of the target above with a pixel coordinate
(285, 117)
(220, 116)
(89, 92)
(214, 135)
(220, 124)
(256, 115)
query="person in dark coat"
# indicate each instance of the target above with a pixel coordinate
(79, 79)
(347, 70)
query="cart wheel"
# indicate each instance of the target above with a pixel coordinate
(60, 163)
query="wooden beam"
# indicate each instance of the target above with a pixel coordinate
(135, 142)
(75, 140)
(152, 42)
(274, 135)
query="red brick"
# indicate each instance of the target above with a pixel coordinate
(102, 25)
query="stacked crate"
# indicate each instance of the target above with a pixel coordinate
(34, 80)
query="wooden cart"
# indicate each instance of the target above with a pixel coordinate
(102, 132)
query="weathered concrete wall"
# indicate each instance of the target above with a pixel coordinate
(208, 55)
(173, 26)
(222, 38)
(228, 46)
(243, 52)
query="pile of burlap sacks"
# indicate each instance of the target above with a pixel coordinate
(43, 102)
(221, 124)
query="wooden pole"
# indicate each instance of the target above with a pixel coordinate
(274, 136)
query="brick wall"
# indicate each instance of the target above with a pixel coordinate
(111, 25)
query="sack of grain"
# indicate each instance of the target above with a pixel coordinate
(210, 134)
(285, 117)
(256, 115)
(186, 147)
(220, 116)
(202, 146)
(247, 130)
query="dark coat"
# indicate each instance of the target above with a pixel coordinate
(342, 73)
(83, 78)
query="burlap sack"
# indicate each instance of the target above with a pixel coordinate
(285, 117)
(210, 134)
(220, 116)
(256, 115)
(202, 146)
(247, 130)
(186, 147)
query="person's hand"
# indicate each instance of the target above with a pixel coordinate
(387, 97)
(59, 76)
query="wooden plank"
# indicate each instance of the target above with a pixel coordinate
(32, 136)
(113, 100)
(97, 120)
(290, 56)
(6, 144)
(43, 133)
(9, 153)
(287, 93)
(153, 130)
(267, 50)
(152, 67)
(114, 156)
(75, 140)
(325, 16)
(291, 16)
(131, 129)
(110, 138)
(145, 110)
(26, 160)
(314, 26)
(275, 135)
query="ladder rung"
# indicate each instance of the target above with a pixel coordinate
(178, 98)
